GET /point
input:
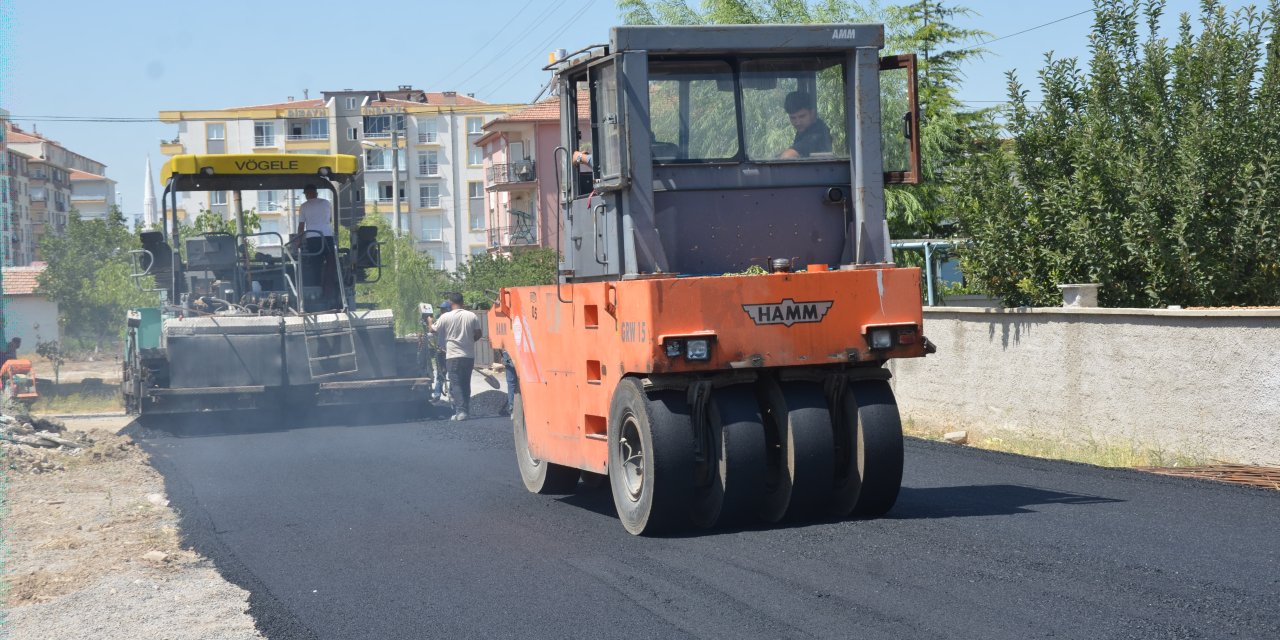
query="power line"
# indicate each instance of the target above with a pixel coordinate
(1039, 26)
(486, 44)
(539, 21)
(516, 69)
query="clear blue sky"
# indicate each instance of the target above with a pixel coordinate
(135, 58)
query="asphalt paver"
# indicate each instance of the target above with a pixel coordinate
(424, 530)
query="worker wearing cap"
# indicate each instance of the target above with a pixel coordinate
(457, 331)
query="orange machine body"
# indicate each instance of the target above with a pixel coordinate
(18, 381)
(570, 355)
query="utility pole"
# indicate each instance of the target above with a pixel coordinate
(395, 177)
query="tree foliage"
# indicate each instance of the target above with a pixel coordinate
(88, 276)
(1154, 173)
(483, 275)
(408, 276)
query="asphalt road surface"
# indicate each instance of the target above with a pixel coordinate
(424, 530)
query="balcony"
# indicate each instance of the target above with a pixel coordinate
(507, 237)
(172, 147)
(298, 137)
(521, 232)
(503, 177)
(265, 142)
(382, 135)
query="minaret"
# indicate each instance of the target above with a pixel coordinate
(149, 212)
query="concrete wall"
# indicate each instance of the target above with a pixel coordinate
(23, 314)
(1198, 382)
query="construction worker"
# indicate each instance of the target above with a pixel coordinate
(439, 377)
(812, 134)
(458, 330)
(11, 350)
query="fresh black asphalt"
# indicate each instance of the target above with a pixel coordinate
(424, 530)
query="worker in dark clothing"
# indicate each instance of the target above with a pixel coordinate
(812, 134)
(10, 351)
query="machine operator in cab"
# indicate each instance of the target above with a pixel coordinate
(812, 134)
(319, 249)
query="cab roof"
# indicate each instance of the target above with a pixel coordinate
(239, 171)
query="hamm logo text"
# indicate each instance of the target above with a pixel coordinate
(788, 312)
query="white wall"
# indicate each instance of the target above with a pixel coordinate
(1198, 382)
(22, 315)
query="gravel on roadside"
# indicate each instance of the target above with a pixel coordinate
(93, 546)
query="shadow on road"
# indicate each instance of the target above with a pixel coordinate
(596, 500)
(222, 423)
(981, 500)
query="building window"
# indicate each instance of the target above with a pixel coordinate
(437, 257)
(215, 134)
(380, 126)
(428, 130)
(351, 102)
(429, 196)
(433, 228)
(474, 126)
(428, 163)
(475, 156)
(384, 191)
(475, 193)
(311, 129)
(269, 226)
(477, 250)
(264, 134)
(353, 133)
(378, 160)
(269, 201)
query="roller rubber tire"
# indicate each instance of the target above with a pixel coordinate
(869, 433)
(651, 483)
(738, 459)
(538, 476)
(801, 466)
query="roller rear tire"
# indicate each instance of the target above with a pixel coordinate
(650, 458)
(539, 476)
(869, 451)
(733, 482)
(798, 429)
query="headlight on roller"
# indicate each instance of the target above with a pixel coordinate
(673, 348)
(880, 338)
(698, 349)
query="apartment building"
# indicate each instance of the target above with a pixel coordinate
(6, 200)
(19, 242)
(441, 172)
(41, 189)
(522, 197)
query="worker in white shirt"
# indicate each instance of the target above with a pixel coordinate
(316, 216)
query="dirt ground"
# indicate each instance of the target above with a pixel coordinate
(94, 552)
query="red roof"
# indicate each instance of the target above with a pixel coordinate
(296, 104)
(21, 281)
(546, 111)
(77, 174)
(433, 98)
(18, 135)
